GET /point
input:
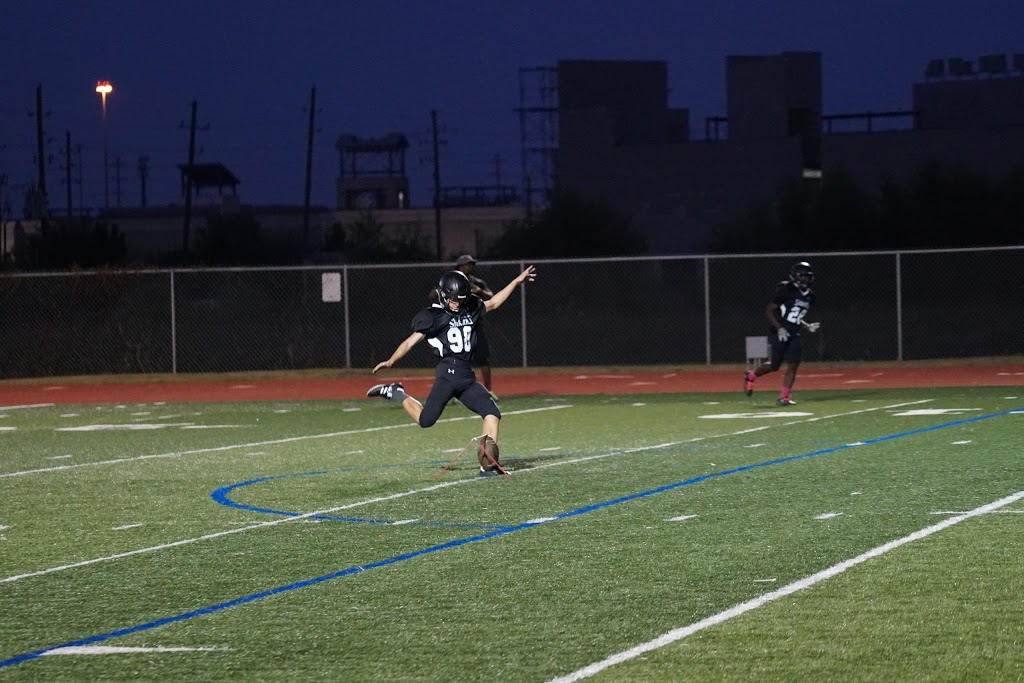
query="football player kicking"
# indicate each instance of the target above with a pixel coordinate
(793, 299)
(450, 327)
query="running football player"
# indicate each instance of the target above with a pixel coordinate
(792, 300)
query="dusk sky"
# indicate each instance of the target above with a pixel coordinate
(383, 66)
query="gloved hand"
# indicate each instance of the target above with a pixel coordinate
(783, 334)
(813, 327)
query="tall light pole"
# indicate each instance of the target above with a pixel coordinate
(104, 88)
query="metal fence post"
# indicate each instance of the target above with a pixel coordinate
(174, 331)
(348, 329)
(522, 314)
(707, 311)
(899, 307)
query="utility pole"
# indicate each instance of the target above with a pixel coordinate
(143, 168)
(188, 180)
(78, 180)
(104, 88)
(497, 171)
(3, 217)
(437, 184)
(529, 200)
(40, 156)
(67, 168)
(187, 224)
(3, 186)
(309, 167)
(117, 182)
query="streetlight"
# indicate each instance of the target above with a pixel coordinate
(104, 88)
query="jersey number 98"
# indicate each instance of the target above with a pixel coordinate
(460, 339)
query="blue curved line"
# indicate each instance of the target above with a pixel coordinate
(245, 599)
(221, 495)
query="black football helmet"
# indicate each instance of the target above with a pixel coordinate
(802, 275)
(453, 286)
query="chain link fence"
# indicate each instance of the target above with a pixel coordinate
(588, 312)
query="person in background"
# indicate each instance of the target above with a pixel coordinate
(785, 312)
(466, 264)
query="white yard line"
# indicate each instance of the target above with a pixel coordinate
(230, 447)
(952, 512)
(218, 534)
(806, 582)
(29, 405)
(307, 515)
(121, 650)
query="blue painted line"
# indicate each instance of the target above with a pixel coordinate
(769, 463)
(36, 654)
(222, 496)
(19, 659)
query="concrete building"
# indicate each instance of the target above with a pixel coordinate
(371, 182)
(620, 142)
(151, 233)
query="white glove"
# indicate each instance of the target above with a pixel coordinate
(813, 327)
(783, 334)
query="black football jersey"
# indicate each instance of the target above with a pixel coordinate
(451, 335)
(793, 304)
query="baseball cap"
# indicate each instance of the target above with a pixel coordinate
(464, 259)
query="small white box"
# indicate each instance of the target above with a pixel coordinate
(757, 349)
(330, 287)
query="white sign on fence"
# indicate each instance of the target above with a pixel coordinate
(757, 350)
(330, 287)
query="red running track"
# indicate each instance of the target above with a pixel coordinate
(540, 384)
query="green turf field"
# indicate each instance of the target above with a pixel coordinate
(857, 536)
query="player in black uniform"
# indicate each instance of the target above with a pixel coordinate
(449, 326)
(466, 264)
(785, 312)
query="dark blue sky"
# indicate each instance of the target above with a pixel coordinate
(382, 66)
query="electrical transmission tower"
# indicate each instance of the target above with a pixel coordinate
(538, 130)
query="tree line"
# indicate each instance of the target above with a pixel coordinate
(940, 206)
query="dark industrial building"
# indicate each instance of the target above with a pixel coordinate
(621, 143)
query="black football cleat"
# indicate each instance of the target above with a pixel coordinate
(786, 402)
(490, 473)
(383, 390)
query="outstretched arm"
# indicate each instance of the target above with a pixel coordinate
(530, 274)
(403, 348)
